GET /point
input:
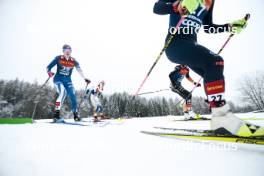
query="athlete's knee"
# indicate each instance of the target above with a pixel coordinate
(185, 94)
(216, 62)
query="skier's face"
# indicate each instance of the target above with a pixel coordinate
(67, 52)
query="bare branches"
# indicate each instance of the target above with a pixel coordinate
(252, 89)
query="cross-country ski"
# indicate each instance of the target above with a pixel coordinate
(127, 88)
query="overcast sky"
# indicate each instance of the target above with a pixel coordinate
(116, 41)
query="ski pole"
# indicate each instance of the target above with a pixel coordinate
(160, 54)
(247, 17)
(36, 104)
(145, 93)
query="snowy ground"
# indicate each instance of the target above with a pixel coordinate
(44, 149)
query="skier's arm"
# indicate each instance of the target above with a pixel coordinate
(80, 71)
(52, 64)
(171, 75)
(188, 77)
(210, 27)
(164, 7)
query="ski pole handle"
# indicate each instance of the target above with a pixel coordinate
(247, 17)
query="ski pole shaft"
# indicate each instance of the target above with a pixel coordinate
(247, 17)
(44, 84)
(145, 93)
(159, 56)
(36, 104)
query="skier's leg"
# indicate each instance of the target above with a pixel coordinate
(194, 55)
(59, 102)
(187, 106)
(93, 103)
(200, 59)
(61, 95)
(204, 62)
(199, 71)
(71, 93)
(187, 96)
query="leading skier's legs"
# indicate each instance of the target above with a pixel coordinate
(61, 95)
(97, 106)
(71, 93)
(59, 101)
(211, 67)
(200, 59)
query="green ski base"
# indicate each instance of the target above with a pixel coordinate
(15, 120)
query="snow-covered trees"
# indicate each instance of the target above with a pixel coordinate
(125, 105)
(17, 99)
(252, 90)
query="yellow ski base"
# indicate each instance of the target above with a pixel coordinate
(210, 138)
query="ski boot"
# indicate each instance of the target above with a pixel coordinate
(225, 122)
(96, 119)
(189, 115)
(76, 117)
(103, 117)
(56, 117)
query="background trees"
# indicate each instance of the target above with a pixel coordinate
(252, 90)
(17, 99)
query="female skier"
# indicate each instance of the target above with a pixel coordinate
(62, 80)
(185, 50)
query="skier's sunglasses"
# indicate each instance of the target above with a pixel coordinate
(67, 50)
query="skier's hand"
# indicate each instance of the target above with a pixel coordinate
(87, 81)
(238, 26)
(197, 84)
(188, 6)
(50, 74)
